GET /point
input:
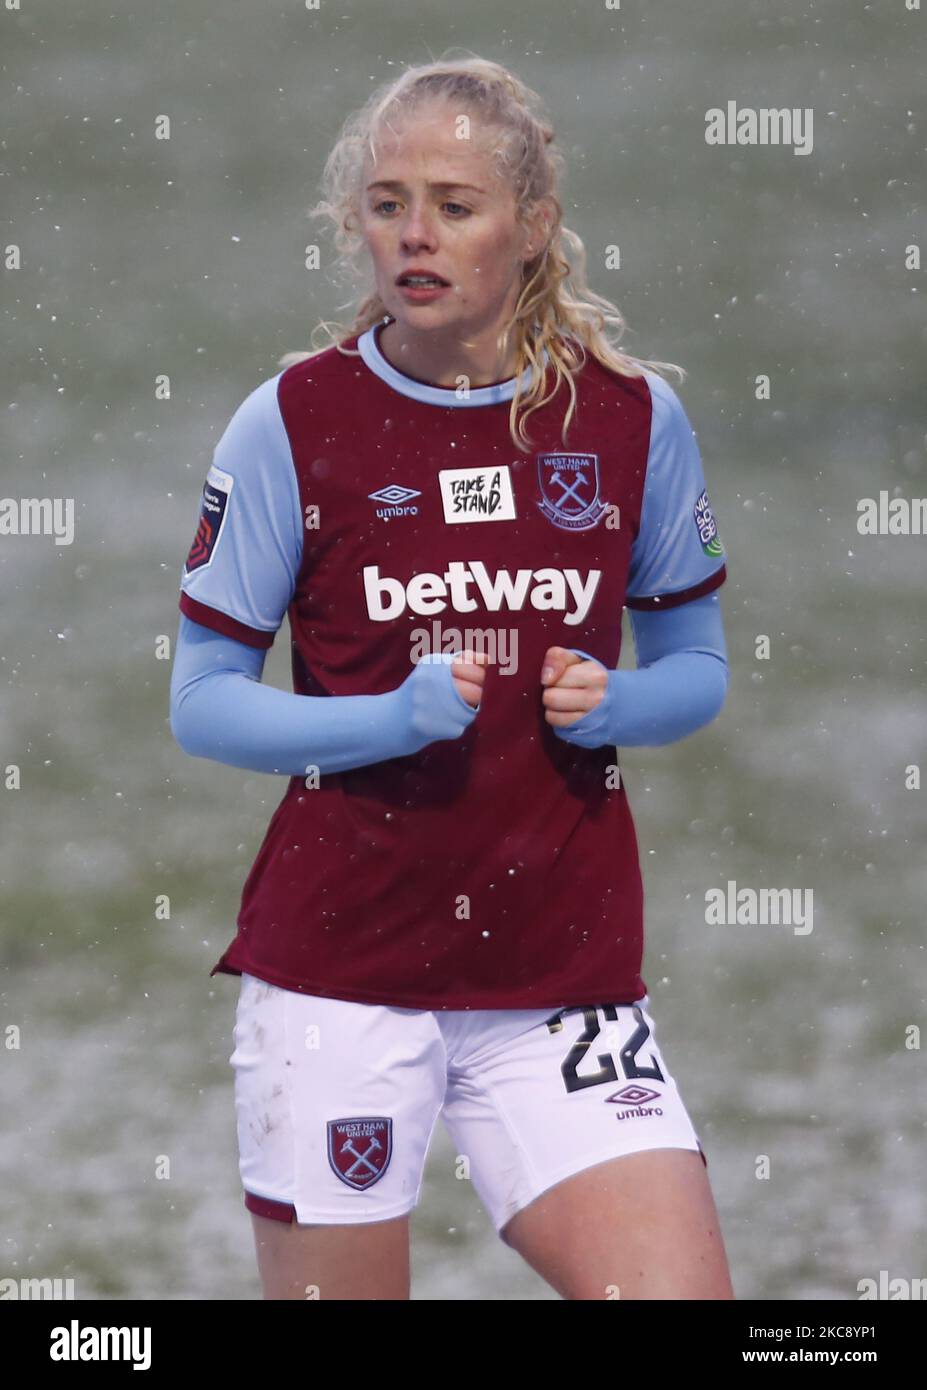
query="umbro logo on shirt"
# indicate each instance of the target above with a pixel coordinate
(394, 499)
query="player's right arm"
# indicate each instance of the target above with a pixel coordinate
(219, 709)
(235, 589)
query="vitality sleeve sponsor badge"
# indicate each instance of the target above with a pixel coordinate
(216, 493)
(706, 526)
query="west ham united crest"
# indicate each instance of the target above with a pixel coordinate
(569, 487)
(359, 1150)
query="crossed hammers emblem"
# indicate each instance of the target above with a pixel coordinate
(569, 489)
(348, 1147)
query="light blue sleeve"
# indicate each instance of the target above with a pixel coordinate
(241, 571)
(219, 709)
(679, 686)
(677, 548)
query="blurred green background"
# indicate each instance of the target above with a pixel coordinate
(185, 257)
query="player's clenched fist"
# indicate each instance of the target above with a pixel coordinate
(469, 672)
(439, 700)
(572, 686)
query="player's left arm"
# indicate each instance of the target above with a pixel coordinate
(679, 686)
(677, 565)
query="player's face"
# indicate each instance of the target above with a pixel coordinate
(433, 202)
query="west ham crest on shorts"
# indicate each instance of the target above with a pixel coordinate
(569, 487)
(359, 1150)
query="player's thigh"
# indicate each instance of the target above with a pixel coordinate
(361, 1261)
(574, 1118)
(640, 1226)
(335, 1105)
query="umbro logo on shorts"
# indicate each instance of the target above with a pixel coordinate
(635, 1098)
(633, 1095)
(359, 1149)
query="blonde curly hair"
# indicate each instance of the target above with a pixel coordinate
(556, 310)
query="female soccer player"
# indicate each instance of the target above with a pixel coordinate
(453, 503)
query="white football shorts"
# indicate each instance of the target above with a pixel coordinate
(336, 1101)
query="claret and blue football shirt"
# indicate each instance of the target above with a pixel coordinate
(500, 869)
